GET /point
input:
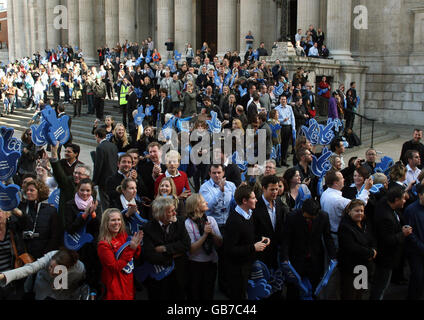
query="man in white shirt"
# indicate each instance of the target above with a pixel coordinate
(334, 203)
(298, 36)
(313, 51)
(288, 124)
(412, 171)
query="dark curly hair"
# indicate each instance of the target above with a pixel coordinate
(42, 188)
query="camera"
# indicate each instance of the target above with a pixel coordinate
(28, 235)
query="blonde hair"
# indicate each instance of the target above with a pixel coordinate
(125, 137)
(192, 206)
(173, 154)
(104, 233)
(160, 205)
(173, 189)
(239, 124)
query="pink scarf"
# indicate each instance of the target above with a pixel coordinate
(81, 204)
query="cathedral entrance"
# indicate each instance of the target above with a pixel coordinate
(209, 24)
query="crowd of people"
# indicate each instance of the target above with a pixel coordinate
(200, 224)
(311, 44)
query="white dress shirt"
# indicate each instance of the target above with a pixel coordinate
(334, 204)
(411, 175)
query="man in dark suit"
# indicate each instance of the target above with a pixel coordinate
(303, 245)
(104, 165)
(414, 144)
(166, 241)
(244, 101)
(124, 171)
(150, 169)
(164, 104)
(253, 107)
(269, 217)
(390, 233)
(240, 246)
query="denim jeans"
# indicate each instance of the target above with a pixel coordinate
(381, 282)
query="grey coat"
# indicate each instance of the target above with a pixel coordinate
(190, 104)
(175, 86)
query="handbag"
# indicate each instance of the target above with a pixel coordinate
(20, 260)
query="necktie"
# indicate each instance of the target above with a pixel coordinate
(309, 222)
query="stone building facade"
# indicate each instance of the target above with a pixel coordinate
(387, 59)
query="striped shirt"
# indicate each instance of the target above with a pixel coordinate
(5, 254)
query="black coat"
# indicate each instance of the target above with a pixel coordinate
(298, 242)
(47, 226)
(177, 242)
(112, 183)
(145, 170)
(355, 245)
(411, 145)
(105, 163)
(232, 174)
(349, 192)
(263, 228)
(74, 222)
(252, 111)
(390, 239)
(239, 240)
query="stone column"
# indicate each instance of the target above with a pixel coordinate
(227, 26)
(18, 17)
(53, 34)
(307, 13)
(183, 24)
(32, 26)
(73, 23)
(86, 29)
(127, 16)
(143, 20)
(250, 20)
(269, 23)
(112, 22)
(99, 23)
(27, 29)
(165, 23)
(42, 26)
(11, 31)
(339, 21)
(279, 19)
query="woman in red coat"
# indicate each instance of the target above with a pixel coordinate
(116, 255)
(325, 88)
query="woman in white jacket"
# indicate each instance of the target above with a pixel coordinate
(51, 283)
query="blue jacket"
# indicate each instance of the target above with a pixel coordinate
(414, 216)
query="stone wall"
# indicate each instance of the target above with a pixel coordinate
(397, 96)
(395, 88)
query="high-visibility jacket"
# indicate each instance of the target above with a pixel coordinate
(123, 97)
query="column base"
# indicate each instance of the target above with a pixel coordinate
(341, 55)
(91, 61)
(416, 59)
